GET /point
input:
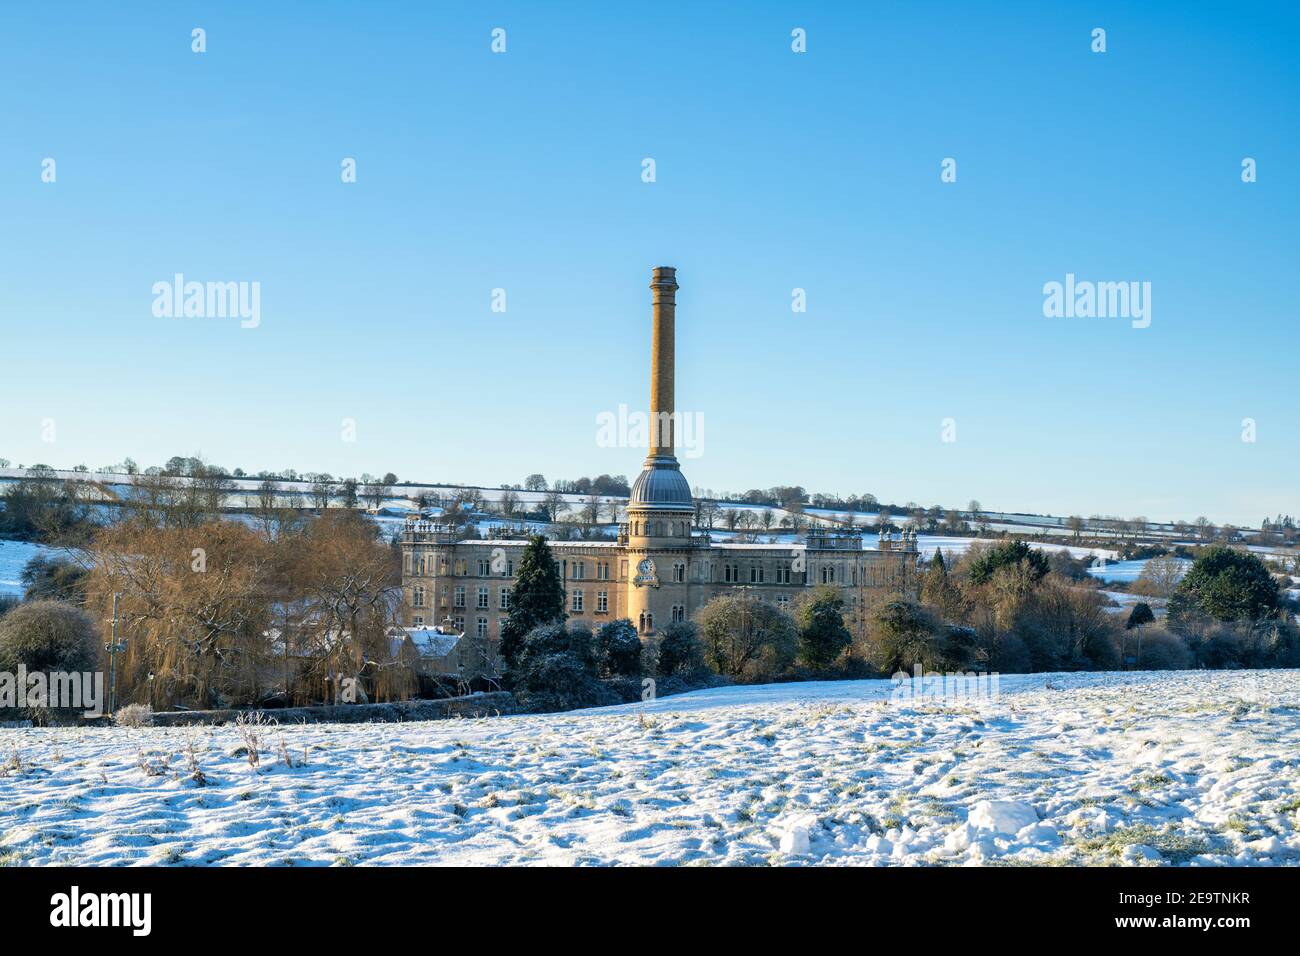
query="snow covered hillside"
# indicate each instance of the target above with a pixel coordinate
(1144, 769)
(14, 556)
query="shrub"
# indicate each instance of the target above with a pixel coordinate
(746, 639)
(617, 649)
(680, 650)
(1010, 655)
(1064, 564)
(134, 715)
(556, 664)
(54, 579)
(1231, 646)
(48, 636)
(1067, 628)
(1160, 650)
(905, 635)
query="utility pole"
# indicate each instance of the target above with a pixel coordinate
(114, 647)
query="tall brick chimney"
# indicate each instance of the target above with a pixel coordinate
(660, 505)
(663, 284)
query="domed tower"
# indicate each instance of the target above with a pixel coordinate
(660, 510)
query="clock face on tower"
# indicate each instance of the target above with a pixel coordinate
(645, 573)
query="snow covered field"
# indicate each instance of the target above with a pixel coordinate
(1178, 768)
(14, 556)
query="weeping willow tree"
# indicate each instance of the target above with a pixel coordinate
(350, 582)
(194, 609)
(223, 615)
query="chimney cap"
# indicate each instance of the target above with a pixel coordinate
(664, 276)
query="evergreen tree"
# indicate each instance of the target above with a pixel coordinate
(617, 649)
(1010, 554)
(935, 584)
(1141, 614)
(1225, 584)
(680, 650)
(536, 599)
(822, 634)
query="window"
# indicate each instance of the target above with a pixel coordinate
(783, 574)
(679, 613)
(602, 602)
(418, 621)
(417, 596)
(828, 574)
(484, 567)
(782, 600)
(679, 572)
(510, 568)
(481, 627)
(459, 624)
(731, 573)
(505, 599)
(577, 602)
(459, 596)
(483, 599)
(755, 574)
(647, 622)
(579, 570)
(602, 570)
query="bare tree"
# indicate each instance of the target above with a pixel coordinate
(554, 505)
(267, 505)
(376, 491)
(508, 503)
(322, 490)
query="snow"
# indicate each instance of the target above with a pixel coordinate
(1178, 768)
(14, 556)
(928, 543)
(1128, 571)
(1002, 816)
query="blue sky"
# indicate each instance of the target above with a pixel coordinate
(775, 170)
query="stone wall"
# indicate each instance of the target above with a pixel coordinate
(474, 705)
